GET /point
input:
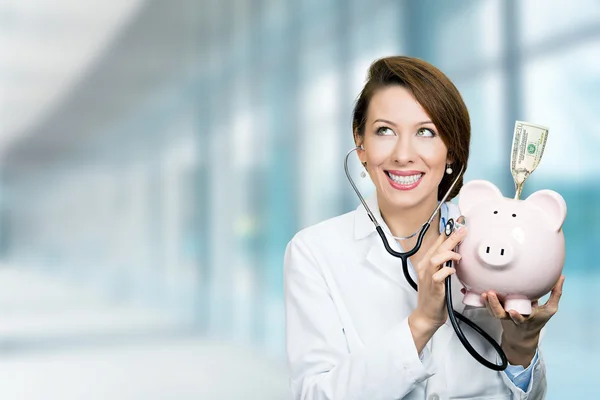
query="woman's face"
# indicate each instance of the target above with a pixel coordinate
(406, 158)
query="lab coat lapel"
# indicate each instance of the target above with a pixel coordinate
(377, 256)
(379, 259)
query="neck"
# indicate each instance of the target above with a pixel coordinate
(406, 221)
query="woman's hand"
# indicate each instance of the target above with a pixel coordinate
(521, 333)
(431, 311)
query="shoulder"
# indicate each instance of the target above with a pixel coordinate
(323, 233)
(315, 245)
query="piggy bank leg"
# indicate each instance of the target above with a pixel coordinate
(520, 304)
(472, 299)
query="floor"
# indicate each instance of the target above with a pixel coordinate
(58, 341)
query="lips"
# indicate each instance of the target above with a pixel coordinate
(404, 180)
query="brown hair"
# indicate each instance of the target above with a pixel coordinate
(436, 94)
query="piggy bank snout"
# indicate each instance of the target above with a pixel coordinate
(495, 253)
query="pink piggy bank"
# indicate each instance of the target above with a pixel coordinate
(513, 247)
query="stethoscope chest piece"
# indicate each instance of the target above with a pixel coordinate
(449, 227)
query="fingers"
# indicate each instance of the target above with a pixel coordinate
(453, 240)
(441, 258)
(490, 299)
(435, 246)
(448, 242)
(516, 317)
(442, 274)
(496, 309)
(551, 305)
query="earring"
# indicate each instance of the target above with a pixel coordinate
(448, 169)
(363, 173)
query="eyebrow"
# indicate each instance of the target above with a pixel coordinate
(391, 123)
(384, 120)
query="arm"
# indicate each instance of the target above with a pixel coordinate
(520, 340)
(529, 383)
(320, 363)
(521, 377)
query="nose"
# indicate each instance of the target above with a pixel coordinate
(495, 254)
(404, 151)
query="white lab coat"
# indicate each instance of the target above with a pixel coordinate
(347, 307)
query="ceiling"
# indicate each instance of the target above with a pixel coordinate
(45, 50)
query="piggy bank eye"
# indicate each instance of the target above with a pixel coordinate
(514, 215)
(495, 212)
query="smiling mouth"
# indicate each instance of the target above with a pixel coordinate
(402, 180)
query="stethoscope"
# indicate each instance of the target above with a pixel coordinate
(449, 228)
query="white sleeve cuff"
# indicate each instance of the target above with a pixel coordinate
(418, 367)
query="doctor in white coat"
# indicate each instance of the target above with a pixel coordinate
(355, 328)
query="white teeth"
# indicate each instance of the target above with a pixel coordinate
(405, 180)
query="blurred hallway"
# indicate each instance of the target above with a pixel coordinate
(61, 341)
(157, 156)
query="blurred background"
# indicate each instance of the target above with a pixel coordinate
(157, 156)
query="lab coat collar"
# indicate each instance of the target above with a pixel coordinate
(376, 255)
(363, 226)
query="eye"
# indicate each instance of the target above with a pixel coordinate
(495, 212)
(514, 215)
(385, 131)
(425, 132)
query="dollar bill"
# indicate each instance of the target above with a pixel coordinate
(529, 141)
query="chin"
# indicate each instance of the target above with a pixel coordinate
(411, 197)
(406, 202)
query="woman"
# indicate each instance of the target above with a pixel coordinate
(355, 327)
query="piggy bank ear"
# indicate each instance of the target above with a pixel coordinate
(475, 192)
(552, 204)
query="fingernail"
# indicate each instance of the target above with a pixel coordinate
(459, 231)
